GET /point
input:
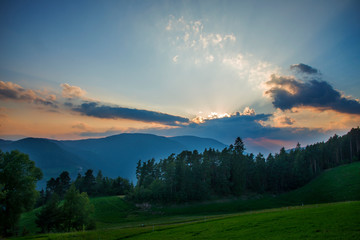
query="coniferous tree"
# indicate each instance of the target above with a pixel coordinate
(89, 182)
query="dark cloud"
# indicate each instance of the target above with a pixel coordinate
(288, 92)
(303, 68)
(13, 92)
(103, 111)
(68, 104)
(247, 127)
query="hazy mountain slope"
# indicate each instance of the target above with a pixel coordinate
(118, 155)
(115, 155)
(197, 143)
(48, 155)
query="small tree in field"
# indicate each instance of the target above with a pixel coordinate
(76, 210)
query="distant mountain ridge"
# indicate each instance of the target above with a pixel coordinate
(115, 155)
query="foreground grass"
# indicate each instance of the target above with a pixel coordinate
(324, 221)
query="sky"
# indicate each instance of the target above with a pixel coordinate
(272, 72)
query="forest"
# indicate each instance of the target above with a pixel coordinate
(194, 176)
(94, 186)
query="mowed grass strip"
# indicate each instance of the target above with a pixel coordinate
(324, 221)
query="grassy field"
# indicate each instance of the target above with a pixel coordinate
(116, 217)
(323, 221)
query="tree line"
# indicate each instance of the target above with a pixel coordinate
(193, 176)
(93, 186)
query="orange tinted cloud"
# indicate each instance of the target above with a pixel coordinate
(69, 91)
(36, 122)
(313, 118)
(13, 92)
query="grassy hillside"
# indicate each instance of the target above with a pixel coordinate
(326, 221)
(338, 184)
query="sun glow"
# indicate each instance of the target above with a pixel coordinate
(215, 115)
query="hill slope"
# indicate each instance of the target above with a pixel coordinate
(337, 184)
(197, 143)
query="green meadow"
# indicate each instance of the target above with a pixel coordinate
(306, 213)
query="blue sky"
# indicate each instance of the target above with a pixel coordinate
(220, 69)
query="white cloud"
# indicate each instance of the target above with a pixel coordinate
(210, 58)
(249, 112)
(186, 37)
(190, 38)
(218, 56)
(69, 91)
(215, 115)
(256, 72)
(175, 58)
(216, 39)
(230, 37)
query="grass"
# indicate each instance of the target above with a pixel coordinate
(324, 221)
(330, 221)
(116, 217)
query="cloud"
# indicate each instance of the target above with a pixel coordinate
(13, 92)
(303, 68)
(68, 104)
(284, 120)
(190, 37)
(249, 111)
(94, 109)
(175, 58)
(81, 126)
(249, 128)
(69, 91)
(288, 92)
(256, 72)
(311, 117)
(210, 58)
(214, 115)
(2, 112)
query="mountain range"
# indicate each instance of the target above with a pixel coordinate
(114, 155)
